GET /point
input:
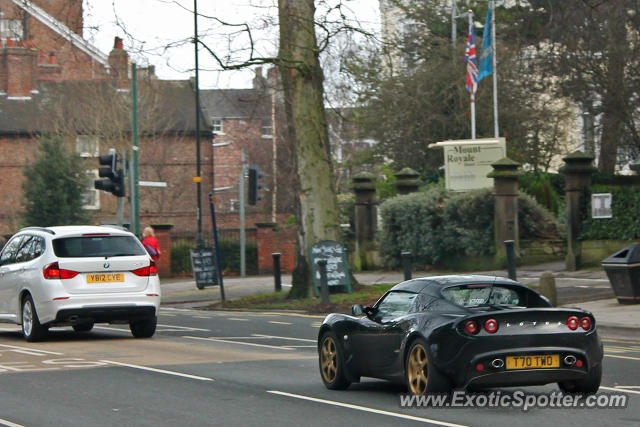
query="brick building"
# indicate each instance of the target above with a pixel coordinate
(53, 81)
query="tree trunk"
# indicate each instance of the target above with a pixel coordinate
(613, 101)
(302, 82)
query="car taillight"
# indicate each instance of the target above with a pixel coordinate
(572, 323)
(585, 323)
(150, 270)
(491, 326)
(471, 327)
(53, 271)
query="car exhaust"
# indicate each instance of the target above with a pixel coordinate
(497, 363)
(569, 360)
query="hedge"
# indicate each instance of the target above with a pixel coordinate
(437, 224)
(229, 251)
(624, 225)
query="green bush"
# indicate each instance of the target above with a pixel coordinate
(544, 187)
(624, 225)
(229, 252)
(436, 225)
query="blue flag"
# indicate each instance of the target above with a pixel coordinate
(486, 54)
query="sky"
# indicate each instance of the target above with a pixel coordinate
(158, 32)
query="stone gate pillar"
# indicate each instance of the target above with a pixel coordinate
(407, 181)
(366, 215)
(505, 190)
(577, 171)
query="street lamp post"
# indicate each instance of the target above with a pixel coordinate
(198, 178)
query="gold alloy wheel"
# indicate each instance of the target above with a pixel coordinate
(329, 360)
(417, 370)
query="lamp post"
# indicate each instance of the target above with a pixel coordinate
(197, 179)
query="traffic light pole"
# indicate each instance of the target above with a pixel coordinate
(135, 222)
(121, 199)
(243, 263)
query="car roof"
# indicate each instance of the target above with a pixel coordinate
(74, 230)
(419, 284)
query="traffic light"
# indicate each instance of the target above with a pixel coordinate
(255, 185)
(113, 181)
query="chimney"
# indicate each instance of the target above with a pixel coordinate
(48, 70)
(259, 81)
(18, 70)
(120, 65)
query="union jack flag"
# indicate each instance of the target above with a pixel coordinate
(472, 65)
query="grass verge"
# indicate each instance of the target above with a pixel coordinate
(339, 302)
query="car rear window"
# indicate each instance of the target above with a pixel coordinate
(97, 246)
(481, 294)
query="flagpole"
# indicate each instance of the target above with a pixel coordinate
(494, 52)
(473, 95)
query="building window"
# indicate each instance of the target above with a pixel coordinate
(216, 125)
(91, 197)
(87, 146)
(267, 129)
(11, 28)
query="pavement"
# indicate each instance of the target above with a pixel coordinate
(588, 289)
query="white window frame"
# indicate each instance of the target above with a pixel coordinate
(217, 126)
(88, 145)
(91, 198)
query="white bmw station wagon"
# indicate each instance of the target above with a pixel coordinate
(77, 276)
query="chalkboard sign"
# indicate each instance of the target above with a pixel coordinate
(337, 267)
(203, 264)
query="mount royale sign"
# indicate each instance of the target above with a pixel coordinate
(467, 162)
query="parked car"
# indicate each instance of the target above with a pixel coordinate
(438, 333)
(77, 276)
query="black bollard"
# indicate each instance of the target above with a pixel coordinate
(511, 259)
(276, 271)
(324, 288)
(407, 261)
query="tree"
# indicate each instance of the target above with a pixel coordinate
(302, 81)
(594, 47)
(54, 185)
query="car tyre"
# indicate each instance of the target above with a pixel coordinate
(32, 330)
(420, 373)
(588, 385)
(144, 328)
(331, 362)
(83, 327)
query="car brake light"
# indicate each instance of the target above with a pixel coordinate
(471, 327)
(150, 270)
(491, 326)
(572, 323)
(53, 271)
(585, 323)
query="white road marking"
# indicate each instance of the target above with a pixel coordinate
(280, 323)
(240, 342)
(183, 328)
(365, 409)
(302, 346)
(283, 338)
(9, 423)
(34, 351)
(238, 318)
(160, 371)
(628, 386)
(108, 328)
(624, 390)
(622, 357)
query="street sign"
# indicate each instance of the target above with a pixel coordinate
(601, 205)
(468, 162)
(337, 267)
(204, 267)
(152, 184)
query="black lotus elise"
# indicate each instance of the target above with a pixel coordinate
(439, 333)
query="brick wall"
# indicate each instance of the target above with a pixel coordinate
(270, 241)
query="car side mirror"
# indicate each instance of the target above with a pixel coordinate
(357, 310)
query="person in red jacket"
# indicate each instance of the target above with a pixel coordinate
(150, 243)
